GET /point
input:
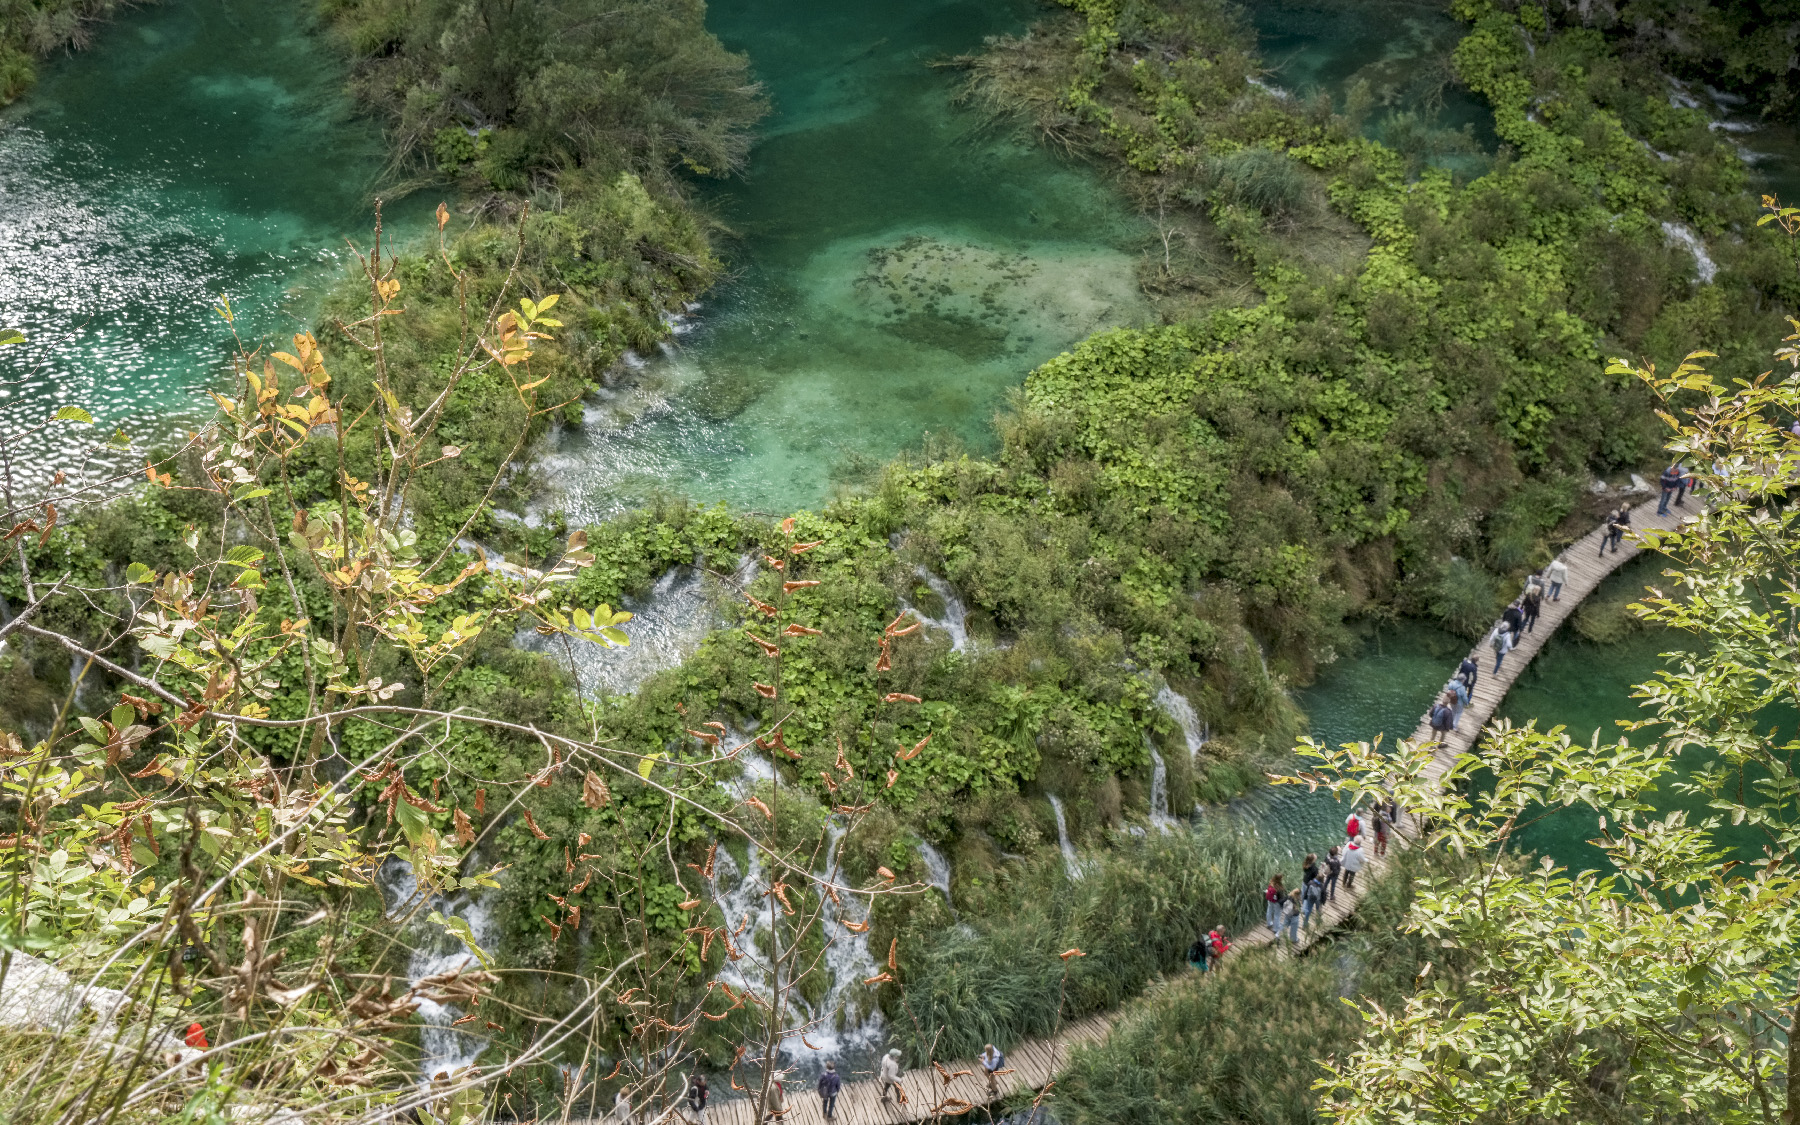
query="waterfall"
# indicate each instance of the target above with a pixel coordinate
(955, 613)
(443, 1049)
(1679, 234)
(1071, 862)
(1177, 707)
(939, 870)
(1159, 789)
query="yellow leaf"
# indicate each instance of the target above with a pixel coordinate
(648, 764)
(538, 383)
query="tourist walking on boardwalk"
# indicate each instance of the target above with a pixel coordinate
(776, 1106)
(1290, 919)
(1352, 825)
(829, 1087)
(1557, 574)
(1458, 690)
(1532, 604)
(1272, 896)
(1312, 898)
(1353, 862)
(1333, 866)
(1618, 522)
(697, 1093)
(621, 1110)
(1443, 720)
(1672, 479)
(890, 1076)
(992, 1063)
(1469, 672)
(1216, 938)
(1501, 641)
(1381, 830)
(1196, 954)
(1309, 870)
(1514, 617)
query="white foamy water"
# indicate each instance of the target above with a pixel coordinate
(1071, 861)
(1159, 789)
(1680, 234)
(443, 1049)
(938, 870)
(955, 615)
(1177, 707)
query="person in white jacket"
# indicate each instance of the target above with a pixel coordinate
(890, 1076)
(1353, 862)
(1556, 574)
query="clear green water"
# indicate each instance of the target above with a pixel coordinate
(202, 147)
(898, 271)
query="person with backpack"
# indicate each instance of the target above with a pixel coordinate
(829, 1087)
(1196, 954)
(1216, 939)
(1309, 869)
(1353, 862)
(1352, 825)
(1333, 866)
(697, 1094)
(1381, 830)
(1458, 693)
(1618, 522)
(1272, 896)
(776, 1107)
(1313, 897)
(1443, 720)
(992, 1062)
(1557, 574)
(1501, 641)
(1469, 672)
(1290, 919)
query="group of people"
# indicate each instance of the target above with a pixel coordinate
(1520, 617)
(1287, 911)
(992, 1063)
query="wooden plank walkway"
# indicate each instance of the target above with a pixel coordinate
(1035, 1062)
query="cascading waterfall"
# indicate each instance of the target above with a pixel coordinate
(953, 621)
(1071, 862)
(1159, 789)
(443, 1049)
(845, 1019)
(938, 870)
(1177, 707)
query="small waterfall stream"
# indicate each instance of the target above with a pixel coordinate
(938, 868)
(955, 615)
(1071, 861)
(444, 1049)
(1159, 789)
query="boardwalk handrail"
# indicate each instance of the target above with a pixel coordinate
(1033, 1063)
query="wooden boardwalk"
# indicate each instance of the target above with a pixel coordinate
(929, 1096)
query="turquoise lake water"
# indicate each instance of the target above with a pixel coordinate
(200, 149)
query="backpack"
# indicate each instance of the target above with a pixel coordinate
(1270, 894)
(1197, 951)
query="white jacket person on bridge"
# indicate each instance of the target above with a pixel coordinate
(890, 1076)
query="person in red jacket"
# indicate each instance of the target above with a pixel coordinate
(1352, 825)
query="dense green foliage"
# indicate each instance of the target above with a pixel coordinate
(1132, 913)
(1244, 1043)
(1743, 48)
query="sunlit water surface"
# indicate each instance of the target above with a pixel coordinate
(202, 148)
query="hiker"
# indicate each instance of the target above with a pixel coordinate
(1309, 870)
(1313, 898)
(1272, 896)
(1381, 830)
(1618, 522)
(1216, 939)
(1469, 672)
(1443, 720)
(829, 1086)
(776, 1106)
(1196, 954)
(1290, 919)
(890, 1076)
(1534, 581)
(992, 1062)
(1353, 862)
(1458, 691)
(1514, 617)
(1501, 641)
(1333, 865)
(1557, 574)
(1532, 605)
(697, 1094)
(1671, 480)
(1352, 825)
(621, 1110)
